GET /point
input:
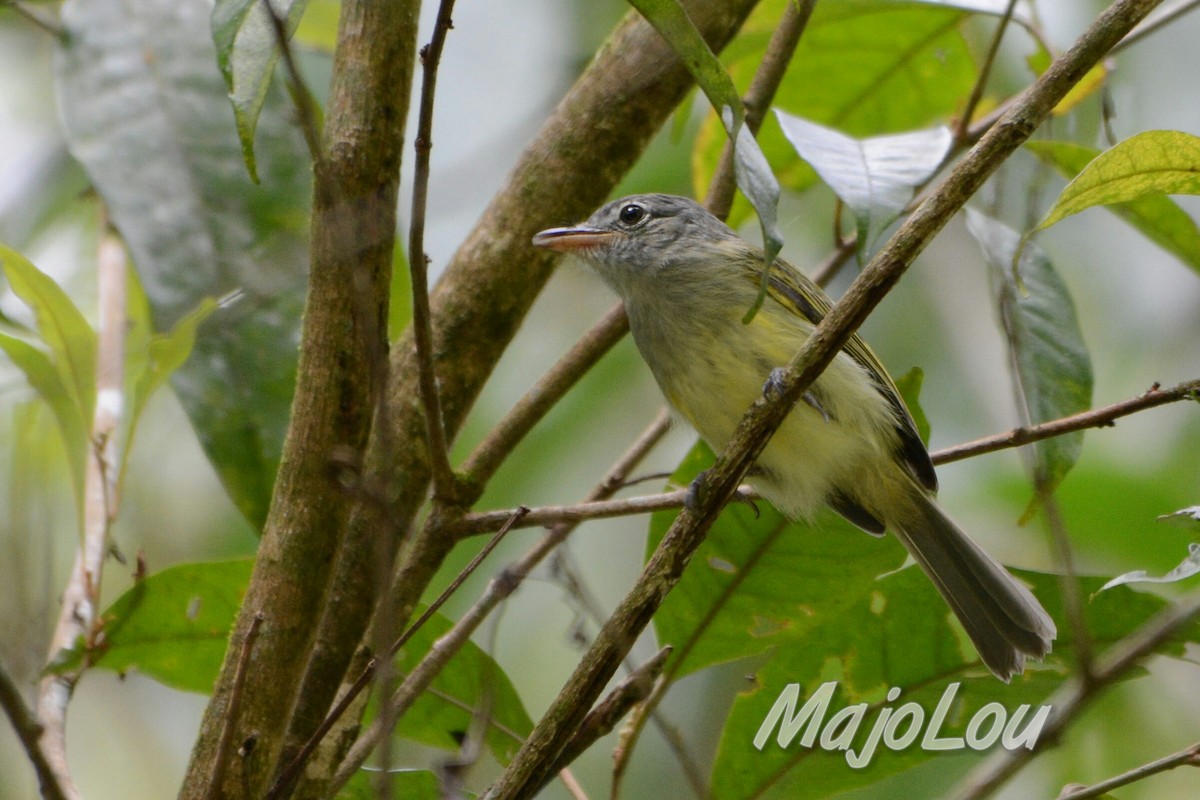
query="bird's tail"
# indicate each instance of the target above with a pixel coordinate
(1002, 617)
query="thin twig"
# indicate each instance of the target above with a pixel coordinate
(576, 586)
(1186, 756)
(487, 521)
(1068, 581)
(763, 87)
(225, 747)
(283, 784)
(30, 733)
(1095, 418)
(1156, 22)
(714, 489)
(964, 121)
(78, 619)
(301, 96)
(572, 786)
(484, 521)
(609, 711)
(444, 481)
(542, 396)
(498, 589)
(1076, 694)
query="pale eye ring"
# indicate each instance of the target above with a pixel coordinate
(631, 214)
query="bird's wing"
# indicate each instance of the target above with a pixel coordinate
(792, 289)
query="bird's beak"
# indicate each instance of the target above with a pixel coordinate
(570, 240)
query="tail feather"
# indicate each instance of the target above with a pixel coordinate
(1003, 618)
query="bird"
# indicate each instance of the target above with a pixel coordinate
(686, 280)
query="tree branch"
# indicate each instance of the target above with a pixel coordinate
(964, 121)
(499, 588)
(633, 689)
(529, 410)
(444, 481)
(337, 388)
(301, 96)
(528, 768)
(282, 786)
(1095, 418)
(759, 95)
(1188, 755)
(586, 145)
(1076, 694)
(77, 621)
(29, 731)
(487, 521)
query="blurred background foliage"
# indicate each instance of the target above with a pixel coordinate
(863, 68)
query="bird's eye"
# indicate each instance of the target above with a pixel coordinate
(631, 214)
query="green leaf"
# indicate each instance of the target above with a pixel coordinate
(759, 581)
(876, 176)
(172, 626)
(1153, 162)
(65, 378)
(46, 381)
(897, 634)
(1157, 216)
(1052, 369)
(61, 326)
(146, 112)
(753, 173)
(167, 353)
(319, 25)
(247, 51)
(410, 784)
(865, 67)
(472, 683)
(909, 385)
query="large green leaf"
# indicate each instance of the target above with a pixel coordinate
(173, 625)
(247, 51)
(896, 635)
(1051, 365)
(753, 173)
(1157, 216)
(865, 67)
(759, 582)
(71, 341)
(1152, 162)
(64, 376)
(45, 379)
(471, 684)
(146, 112)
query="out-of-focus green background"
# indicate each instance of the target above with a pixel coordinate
(506, 64)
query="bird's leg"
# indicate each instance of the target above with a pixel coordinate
(774, 388)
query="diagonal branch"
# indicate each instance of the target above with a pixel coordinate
(499, 588)
(1187, 756)
(29, 731)
(528, 768)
